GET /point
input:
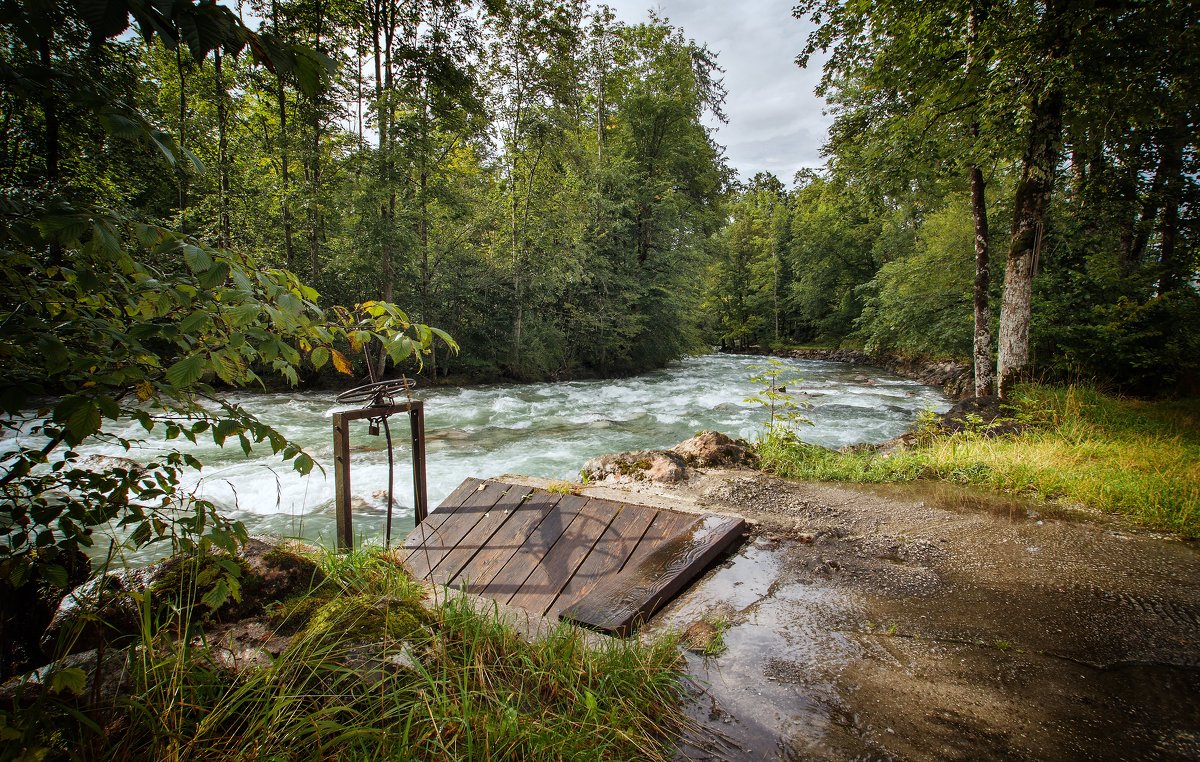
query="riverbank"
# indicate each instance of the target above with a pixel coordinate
(325, 656)
(931, 622)
(955, 378)
(1135, 459)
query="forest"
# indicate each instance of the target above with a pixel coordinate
(537, 180)
(981, 150)
(531, 177)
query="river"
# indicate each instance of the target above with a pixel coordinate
(545, 429)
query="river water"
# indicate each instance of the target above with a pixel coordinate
(546, 429)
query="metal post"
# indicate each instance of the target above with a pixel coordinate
(341, 463)
(341, 481)
(416, 420)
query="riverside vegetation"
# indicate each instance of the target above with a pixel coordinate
(1139, 459)
(368, 672)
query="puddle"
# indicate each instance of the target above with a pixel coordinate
(960, 499)
(770, 693)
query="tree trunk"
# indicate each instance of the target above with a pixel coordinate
(982, 349)
(1029, 218)
(181, 174)
(1174, 273)
(50, 114)
(982, 344)
(285, 207)
(223, 234)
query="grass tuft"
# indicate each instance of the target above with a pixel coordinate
(1134, 458)
(372, 674)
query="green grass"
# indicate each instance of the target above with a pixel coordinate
(1137, 459)
(460, 684)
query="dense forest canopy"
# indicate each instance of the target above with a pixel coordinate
(533, 177)
(1056, 140)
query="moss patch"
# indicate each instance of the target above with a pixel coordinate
(363, 618)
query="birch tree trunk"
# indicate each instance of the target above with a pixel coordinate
(1029, 217)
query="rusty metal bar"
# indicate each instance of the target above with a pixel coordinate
(341, 480)
(341, 464)
(416, 421)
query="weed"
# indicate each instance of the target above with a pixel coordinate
(707, 636)
(563, 488)
(783, 411)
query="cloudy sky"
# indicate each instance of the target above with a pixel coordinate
(775, 122)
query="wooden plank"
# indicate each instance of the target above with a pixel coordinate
(541, 588)
(667, 526)
(527, 560)
(627, 598)
(608, 555)
(422, 561)
(488, 562)
(426, 529)
(480, 535)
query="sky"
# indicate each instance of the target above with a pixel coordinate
(776, 123)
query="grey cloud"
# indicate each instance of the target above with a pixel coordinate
(775, 121)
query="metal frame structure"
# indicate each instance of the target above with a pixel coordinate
(341, 463)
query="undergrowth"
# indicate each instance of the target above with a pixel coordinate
(1135, 458)
(371, 674)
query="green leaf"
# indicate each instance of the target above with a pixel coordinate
(120, 126)
(450, 342)
(320, 356)
(141, 535)
(109, 407)
(197, 259)
(217, 596)
(187, 371)
(72, 679)
(303, 463)
(192, 324)
(106, 239)
(57, 357)
(291, 304)
(55, 574)
(243, 314)
(80, 415)
(215, 275)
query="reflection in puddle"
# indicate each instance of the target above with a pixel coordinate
(960, 499)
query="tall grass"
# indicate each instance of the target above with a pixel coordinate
(1134, 458)
(371, 674)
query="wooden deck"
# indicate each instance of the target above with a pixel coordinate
(603, 564)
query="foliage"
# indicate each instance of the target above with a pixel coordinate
(782, 409)
(113, 322)
(877, 247)
(1137, 459)
(372, 674)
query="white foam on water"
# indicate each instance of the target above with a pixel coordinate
(546, 429)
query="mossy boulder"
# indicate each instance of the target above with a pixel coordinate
(368, 619)
(108, 610)
(647, 465)
(712, 449)
(104, 611)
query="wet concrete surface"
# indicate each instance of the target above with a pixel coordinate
(930, 622)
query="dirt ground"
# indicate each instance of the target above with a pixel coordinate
(930, 622)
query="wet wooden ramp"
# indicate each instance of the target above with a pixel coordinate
(604, 564)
